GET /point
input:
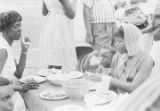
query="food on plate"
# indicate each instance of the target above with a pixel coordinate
(100, 97)
(32, 79)
(53, 95)
(47, 72)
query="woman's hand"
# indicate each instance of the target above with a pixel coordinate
(25, 87)
(29, 86)
(25, 43)
(69, 7)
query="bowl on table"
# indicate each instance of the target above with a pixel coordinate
(47, 72)
(76, 88)
(76, 74)
(57, 79)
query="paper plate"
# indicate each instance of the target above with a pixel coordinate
(57, 79)
(30, 79)
(69, 108)
(76, 74)
(53, 95)
(47, 72)
(100, 97)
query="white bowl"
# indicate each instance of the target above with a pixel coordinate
(76, 74)
(47, 72)
(76, 88)
(57, 79)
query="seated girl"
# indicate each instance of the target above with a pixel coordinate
(131, 66)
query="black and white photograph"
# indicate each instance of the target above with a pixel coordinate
(79, 55)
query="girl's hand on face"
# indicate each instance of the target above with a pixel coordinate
(25, 43)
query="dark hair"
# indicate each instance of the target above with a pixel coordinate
(119, 32)
(7, 19)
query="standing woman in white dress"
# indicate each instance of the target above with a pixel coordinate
(57, 44)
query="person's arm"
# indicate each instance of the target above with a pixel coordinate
(24, 87)
(22, 62)
(149, 29)
(21, 65)
(69, 7)
(3, 58)
(44, 9)
(142, 75)
(113, 66)
(4, 81)
(87, 22)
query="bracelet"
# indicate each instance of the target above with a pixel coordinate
(24, 53)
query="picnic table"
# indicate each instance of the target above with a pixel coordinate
(35, 103)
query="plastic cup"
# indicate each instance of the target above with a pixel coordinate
(104, 84)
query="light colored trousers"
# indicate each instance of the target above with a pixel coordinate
(102, 34)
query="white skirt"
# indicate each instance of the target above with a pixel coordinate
(57, 44)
